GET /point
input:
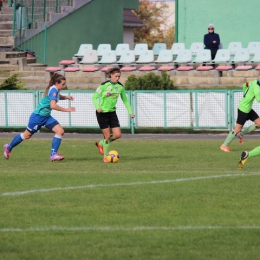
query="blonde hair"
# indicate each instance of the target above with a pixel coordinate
(56, 78)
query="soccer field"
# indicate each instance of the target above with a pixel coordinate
(164, 199)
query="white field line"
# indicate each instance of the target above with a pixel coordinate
(19, 193)
(141, 228)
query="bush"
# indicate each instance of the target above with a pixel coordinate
(11, 83)
(150, 81)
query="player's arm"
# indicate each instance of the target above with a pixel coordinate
(95, 98)
(126, 103)
(257, 94)
(55, 106)
(66, 97)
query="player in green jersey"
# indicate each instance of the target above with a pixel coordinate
(105, 99)
(251, 91)
(41, 116)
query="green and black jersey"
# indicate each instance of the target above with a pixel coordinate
(251, 92)
(106, 97)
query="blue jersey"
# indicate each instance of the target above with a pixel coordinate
(44, 107)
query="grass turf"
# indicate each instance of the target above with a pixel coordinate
(164, 199)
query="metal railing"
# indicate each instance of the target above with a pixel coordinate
(29, 17)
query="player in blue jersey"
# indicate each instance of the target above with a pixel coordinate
(41, 116)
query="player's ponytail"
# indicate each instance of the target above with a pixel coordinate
(56, 78)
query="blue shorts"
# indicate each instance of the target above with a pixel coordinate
(37, 121)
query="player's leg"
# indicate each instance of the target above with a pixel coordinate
(106, 142)
(34, 124)
(246, 155)
(253, 116)
(241, 119)
(54, 125)
(224, 147)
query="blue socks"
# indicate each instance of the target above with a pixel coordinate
(16, 140)
(56, 141)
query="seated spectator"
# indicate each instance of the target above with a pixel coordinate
(211, 41)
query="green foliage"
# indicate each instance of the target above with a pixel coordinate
(153, 15)
(12, 83)
(150, 81)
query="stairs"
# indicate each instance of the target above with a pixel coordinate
(22, 63)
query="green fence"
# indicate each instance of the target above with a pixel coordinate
(181, 109)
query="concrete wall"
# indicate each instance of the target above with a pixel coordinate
(235, 21)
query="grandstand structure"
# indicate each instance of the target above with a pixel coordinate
(83, 48)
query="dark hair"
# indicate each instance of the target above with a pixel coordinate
(56, 78)
(113, 70)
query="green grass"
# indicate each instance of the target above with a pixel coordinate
(164, 199)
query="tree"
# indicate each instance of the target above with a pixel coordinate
(153, 16)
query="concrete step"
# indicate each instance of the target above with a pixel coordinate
(6, 17)
(7, 10)
(7, 67)
(5, 32)
(6, 25)
(7, 40)
(31, 73)
(6, 47)
(12, 54)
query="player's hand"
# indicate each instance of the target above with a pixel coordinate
(132, 116)
(70, 98)
(71, 109)
(99, 110)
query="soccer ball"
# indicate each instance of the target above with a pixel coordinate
(113, 156)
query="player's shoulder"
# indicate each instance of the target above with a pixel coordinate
(104, 83)
(119, 83)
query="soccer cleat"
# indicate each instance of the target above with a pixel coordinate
(241, 139)
(243, 159)
(6, 152)
(225, 148)
(105, 160)
(56, 157)
(100, 148)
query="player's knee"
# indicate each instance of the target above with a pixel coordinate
(117, 136)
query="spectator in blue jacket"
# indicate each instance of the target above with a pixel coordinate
(211, 41)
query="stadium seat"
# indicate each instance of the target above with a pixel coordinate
(52, 69)
(82, 49)
(165, 56)
(167, 68)
(185, 68)
(127, 57)
(108, 57)
(157, 47)
(241, 56)
(128, 69)
(120, 48)
(90, 57)
(139, 48)
(195, 47)
(204, 68)
(144, 68)
(102, 48)
(253, 47)
(146, 57)
(243, 67)
(203, 56)
(234, 46)
(65, 63)
(224, 67)
(256, 57)
(177, 47)
(257, 67)
(222, 56)
(71, 69)
(183, 57)
(90, 69)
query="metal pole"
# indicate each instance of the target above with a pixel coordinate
(176, 30)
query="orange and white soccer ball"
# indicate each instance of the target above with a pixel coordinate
(113, 156)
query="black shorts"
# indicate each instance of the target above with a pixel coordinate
(106, 120)
(243, 117)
